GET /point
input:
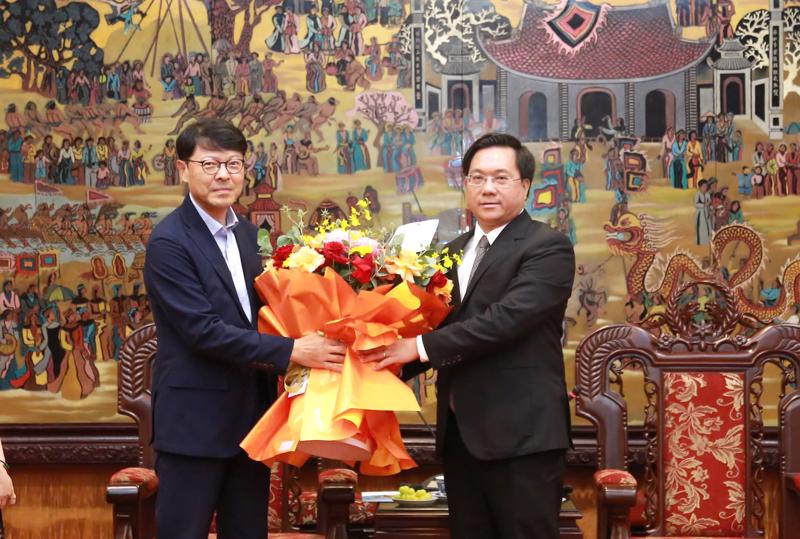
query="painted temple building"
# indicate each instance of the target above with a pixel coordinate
(600, 62)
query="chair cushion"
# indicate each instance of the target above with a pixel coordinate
(144, 476)
(704, 453)
(636, 514)
(338, 475)
(611, 477)
(795, 477)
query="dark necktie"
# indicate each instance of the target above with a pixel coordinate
(483, 246)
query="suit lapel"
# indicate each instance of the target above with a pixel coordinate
(457, 246)
(501, 249)
(198, 232)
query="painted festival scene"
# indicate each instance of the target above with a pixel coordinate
(665, 132)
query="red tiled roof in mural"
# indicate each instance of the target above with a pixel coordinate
(634, 42)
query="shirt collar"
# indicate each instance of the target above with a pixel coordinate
(490, 236)
(213, 225)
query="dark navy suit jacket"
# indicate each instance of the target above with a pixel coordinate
(206, 393)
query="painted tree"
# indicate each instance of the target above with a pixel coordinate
(38, 38)
(753, 32)
(384, 108)
(457, 24)
(403, 37)
(222, 15)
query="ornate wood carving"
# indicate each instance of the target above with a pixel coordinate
(701, 330)
(117, 444)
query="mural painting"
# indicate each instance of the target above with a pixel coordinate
(666, 135)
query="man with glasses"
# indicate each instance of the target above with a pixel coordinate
(503, 413)
(214, 373)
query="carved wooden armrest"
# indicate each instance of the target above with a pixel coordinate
(337, 490)
(130, 484)
(132, 493)
(616, 491)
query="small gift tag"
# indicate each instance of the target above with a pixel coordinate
(295, 381)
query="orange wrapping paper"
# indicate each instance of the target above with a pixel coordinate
(349, 415)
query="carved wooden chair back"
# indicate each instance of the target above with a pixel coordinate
(703, 364)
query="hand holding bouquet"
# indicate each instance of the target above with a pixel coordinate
(367, 291)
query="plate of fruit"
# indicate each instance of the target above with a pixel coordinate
(408, 497)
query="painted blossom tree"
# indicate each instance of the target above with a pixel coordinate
(458, 24)
(753, 32)
(384, 108)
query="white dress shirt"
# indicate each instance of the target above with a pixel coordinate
(467, 260)
(226, 241)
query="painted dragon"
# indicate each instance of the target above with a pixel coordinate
(643, 236)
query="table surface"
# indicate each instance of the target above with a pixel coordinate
(395, 522)
(384, 508)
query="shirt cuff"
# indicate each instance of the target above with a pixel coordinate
(423, 356)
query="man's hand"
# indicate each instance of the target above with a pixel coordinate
(318, 352)
(7, 496)
(399, 353)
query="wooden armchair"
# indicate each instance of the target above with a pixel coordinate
(704, 454)
(132, 491)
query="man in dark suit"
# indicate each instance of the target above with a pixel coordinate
(503, 414)
(214, 373)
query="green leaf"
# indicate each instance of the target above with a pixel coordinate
(264, 243)
(285, 239)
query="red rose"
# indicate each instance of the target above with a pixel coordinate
(437, 281)
(280, 254)
(334, 251)
(363, 267)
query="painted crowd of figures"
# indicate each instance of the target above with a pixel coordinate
(684, 156)
(51, 339)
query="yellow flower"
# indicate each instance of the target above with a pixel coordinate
(406, 265)
(305, 258)
(354, 220)
(445, 291)
(447, 263)
(362, 249)
(367, 215)
(315, 242)
(362, 203)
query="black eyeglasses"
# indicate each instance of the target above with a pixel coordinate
(502, 181)
(211, 166)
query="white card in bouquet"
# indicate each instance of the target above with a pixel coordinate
(417, 236)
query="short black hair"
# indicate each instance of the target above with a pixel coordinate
(525, 161)
(211, 133)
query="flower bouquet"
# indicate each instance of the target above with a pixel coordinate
(367, 291)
